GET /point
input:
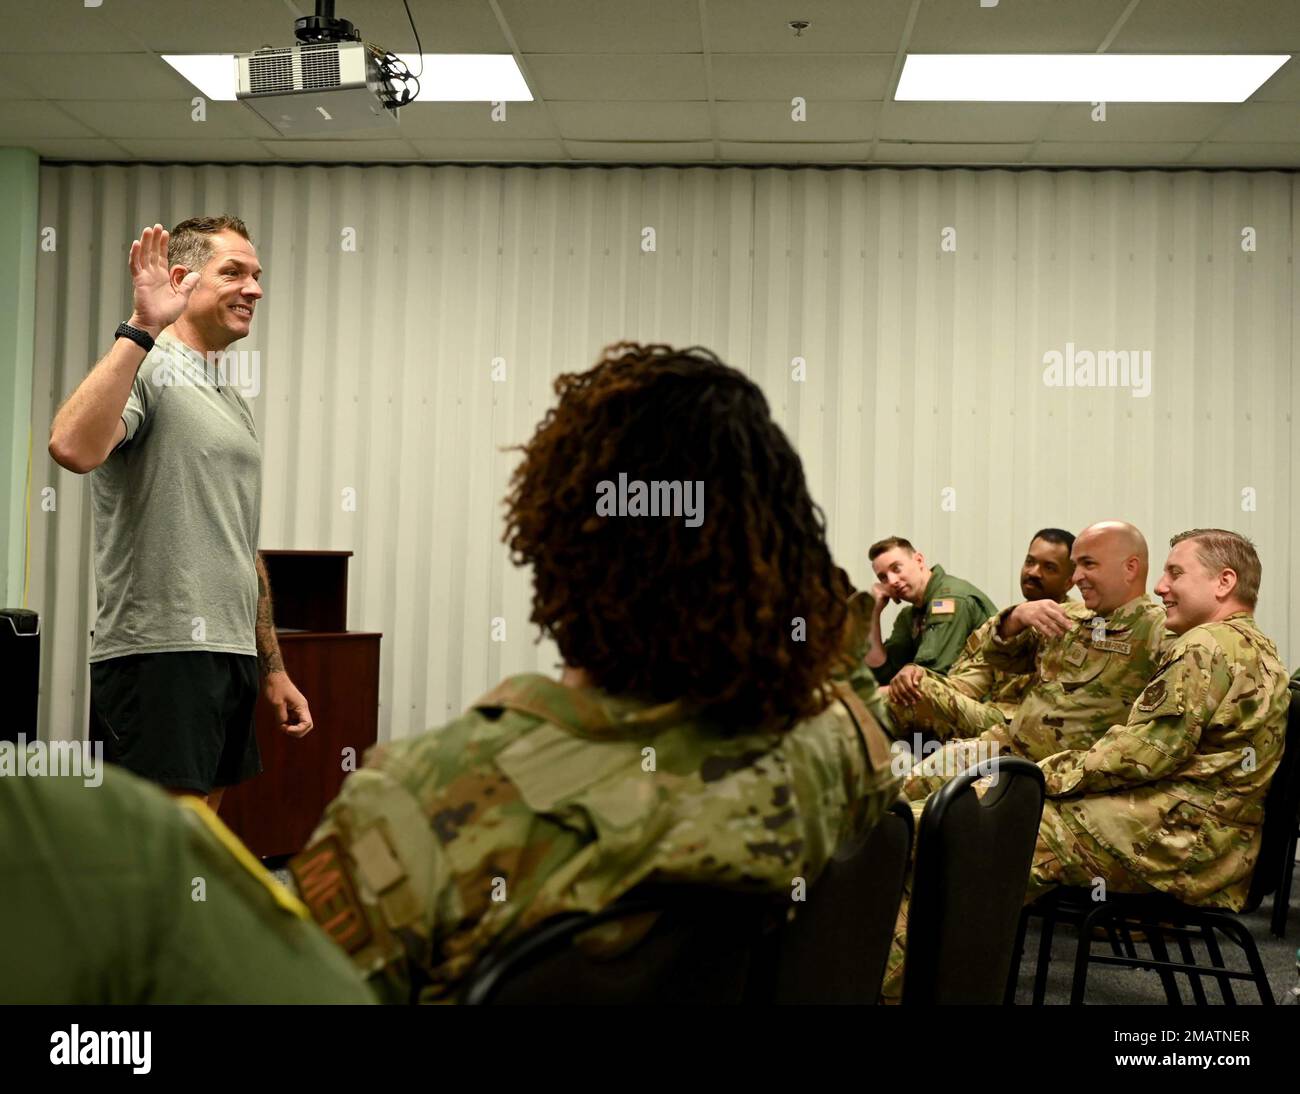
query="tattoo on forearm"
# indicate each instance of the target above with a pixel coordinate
(268, 648)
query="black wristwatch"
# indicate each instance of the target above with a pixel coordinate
(141, 338)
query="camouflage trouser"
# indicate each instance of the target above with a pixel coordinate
(945, 712)
(953, 758)
(1062, 856)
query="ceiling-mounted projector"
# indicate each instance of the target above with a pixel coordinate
(331, 83)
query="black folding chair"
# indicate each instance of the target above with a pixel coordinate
(1162, 917)
(968, 885)
(698, 951)
(835, 948)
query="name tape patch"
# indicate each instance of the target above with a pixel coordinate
(326, 888)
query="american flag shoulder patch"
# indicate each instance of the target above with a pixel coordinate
(943, 607)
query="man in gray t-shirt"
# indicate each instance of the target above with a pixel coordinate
(183, 630)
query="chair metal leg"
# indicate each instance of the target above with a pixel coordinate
(1129, 949)
(1044, 955)
(1216, 958)
(1013, 980)
(1282, 898)
(1189, 958)
(1083, 954)
(1240, 935)
(1156, 939)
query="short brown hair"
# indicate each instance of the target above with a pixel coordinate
(1219, 549)
(888, 544)
(190, 242)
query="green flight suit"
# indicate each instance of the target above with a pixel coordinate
(934, 637)
(101, 887)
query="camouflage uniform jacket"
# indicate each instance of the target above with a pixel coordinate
(973, 676)
(1177, 792)
(545, 799)
(1083, 682)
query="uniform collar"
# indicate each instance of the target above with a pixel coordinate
(936, 575)
(585, 712)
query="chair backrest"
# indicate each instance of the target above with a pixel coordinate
(1280, 808)
(968, 885)
(835, 948)
(697, 951)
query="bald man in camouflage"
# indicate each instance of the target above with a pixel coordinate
(1088, 660)
(1172, 799)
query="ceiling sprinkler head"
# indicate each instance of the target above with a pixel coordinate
(798, 26)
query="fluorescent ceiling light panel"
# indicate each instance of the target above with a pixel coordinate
(1084, 77)
(469, 78)
(446, 77)
(214, 74)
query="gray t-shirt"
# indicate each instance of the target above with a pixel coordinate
(177, 511)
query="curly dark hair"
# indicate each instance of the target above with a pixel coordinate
(649, 606)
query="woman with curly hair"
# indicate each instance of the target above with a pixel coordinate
(698, 733)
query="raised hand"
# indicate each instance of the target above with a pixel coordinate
(157, 303)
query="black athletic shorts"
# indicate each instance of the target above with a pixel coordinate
(181, 720)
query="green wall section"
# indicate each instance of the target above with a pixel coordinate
(19, 185)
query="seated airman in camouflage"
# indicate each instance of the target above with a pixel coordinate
(695, 735)
(975, 696)
(1172, 799)
(1088, 661)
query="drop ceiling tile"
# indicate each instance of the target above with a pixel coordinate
(97, 76)
(632, 121)
(973, 123)
(616, 77)
(761, 26)
(168, 119)
(21, 119)
(778, 152)
(500, 151)
(1111, 153)
(824, 76)
(1211, 26)
(94, 150)
(1225, 154)
(340, 151)
(474, 121)
(604, 26)
(445, 26)
(640, 152)
(1013, 26)
(67, 28)
(231, 26)
(825, 121)
(1137, 122)
(196, 151)
(1261, 122)
(909, 152)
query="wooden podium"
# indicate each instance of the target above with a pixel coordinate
(338, 672)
